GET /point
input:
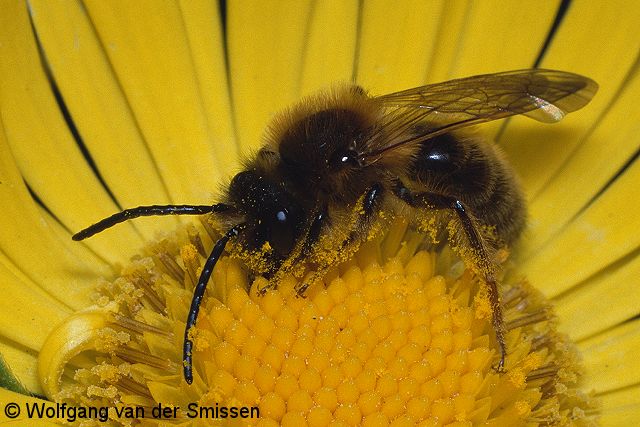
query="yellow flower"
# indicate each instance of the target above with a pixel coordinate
(107, 105)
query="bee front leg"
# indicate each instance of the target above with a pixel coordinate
(370, 204)
(483, 263)
(303, 249)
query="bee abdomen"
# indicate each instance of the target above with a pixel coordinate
(478, 174)
(502, 205)
(504, 210)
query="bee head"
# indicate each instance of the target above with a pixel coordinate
(272, 214)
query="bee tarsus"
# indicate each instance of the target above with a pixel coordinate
(300, 291)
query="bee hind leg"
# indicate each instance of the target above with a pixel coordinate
(477, 242)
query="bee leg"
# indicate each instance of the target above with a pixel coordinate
(371, 202)
(198, 294)
(314, 231)
(370, 205)
(302, 249)
(301, 290)
(315, 277)
(482, 261)
(313, 234)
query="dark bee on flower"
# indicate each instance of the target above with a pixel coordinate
(333, 163)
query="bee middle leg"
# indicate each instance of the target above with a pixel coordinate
(485, 266)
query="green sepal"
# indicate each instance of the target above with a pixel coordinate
(9, 381)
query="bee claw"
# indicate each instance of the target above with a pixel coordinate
(263, 291)
(499, 368)
(301, 290)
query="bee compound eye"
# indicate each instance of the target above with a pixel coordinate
(282, 231)
(281, 216)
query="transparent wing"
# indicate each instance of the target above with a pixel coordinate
(543, 95)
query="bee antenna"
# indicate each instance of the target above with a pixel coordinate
(149, 211)
(198, 293)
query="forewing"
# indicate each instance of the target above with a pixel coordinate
(549, 94)
(543, 95)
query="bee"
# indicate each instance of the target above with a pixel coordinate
(343, 151)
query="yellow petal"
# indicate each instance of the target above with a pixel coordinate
(83, 256)
(39, 138)
(596, 161)
(148, 47)
(602, 234)
(582, 44)
(620, 407)
(607, 299)
(451, 23)
(265, 47)
(330, 48)
(36, 252)
(32, 311)
(493, 38)
(23, 363)
(204, 30)
(611, 358)
(392, 36)
(98, 106)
